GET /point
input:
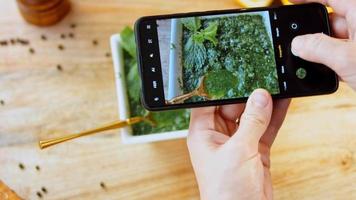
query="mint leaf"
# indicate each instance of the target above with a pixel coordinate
(194, 49)
(128, 41)
(209, 33)
(192, 23)
(198, 37)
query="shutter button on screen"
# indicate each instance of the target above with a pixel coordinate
(301, 73)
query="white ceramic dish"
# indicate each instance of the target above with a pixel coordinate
(175, 55)
(126, 133)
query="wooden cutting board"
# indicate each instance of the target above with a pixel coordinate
(6, 193)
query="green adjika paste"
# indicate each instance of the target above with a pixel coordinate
(219, 83)
(241, 46)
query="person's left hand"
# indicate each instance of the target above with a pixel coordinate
(231, 161)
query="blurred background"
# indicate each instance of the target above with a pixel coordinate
(57, 77)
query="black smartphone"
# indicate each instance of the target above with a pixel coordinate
(219, 57)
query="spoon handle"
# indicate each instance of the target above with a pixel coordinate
(183, 97)
(114, 125)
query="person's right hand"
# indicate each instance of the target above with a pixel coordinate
(337, 52)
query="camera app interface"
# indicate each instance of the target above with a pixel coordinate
(216, 57)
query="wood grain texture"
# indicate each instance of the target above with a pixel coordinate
(6, 193)
(313, 157)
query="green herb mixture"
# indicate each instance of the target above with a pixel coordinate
(240, 45)
(167, 120)
(218, 83)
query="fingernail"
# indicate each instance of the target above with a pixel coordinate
(259, 98)
(297, 45)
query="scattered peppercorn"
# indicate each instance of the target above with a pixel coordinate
(73, 25)
(31, 50)
(43, 37)
(102, 185)
(59, 67)
(44, 190)
(71, 35)
(2, 102)
(21, 166)
(39, 194)
(22, 41)
(63, 36)
(61, 47)
(38, 168)
(3, 42)
(95, 42)
(107, 54)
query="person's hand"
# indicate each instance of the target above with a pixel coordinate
(338, 52)
(231, 160)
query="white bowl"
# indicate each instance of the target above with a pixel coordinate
(175, 58)
(126, 133)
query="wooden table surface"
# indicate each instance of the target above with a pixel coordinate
(314, 156)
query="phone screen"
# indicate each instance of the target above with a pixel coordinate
(221, 57)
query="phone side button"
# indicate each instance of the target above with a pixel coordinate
(154, 84)
(283, 70)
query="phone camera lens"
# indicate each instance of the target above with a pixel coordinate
(301, 73)
(294, 26)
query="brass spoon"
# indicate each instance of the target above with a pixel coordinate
(199, 91)
(114, 125)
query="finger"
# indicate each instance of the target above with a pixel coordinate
(279, 112)
(254, 120)
(231, 114)
(320, 48)
(202, 118)
(339, 26)
(341, 7)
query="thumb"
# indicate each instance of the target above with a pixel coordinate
(254, 120)
(320, 48)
